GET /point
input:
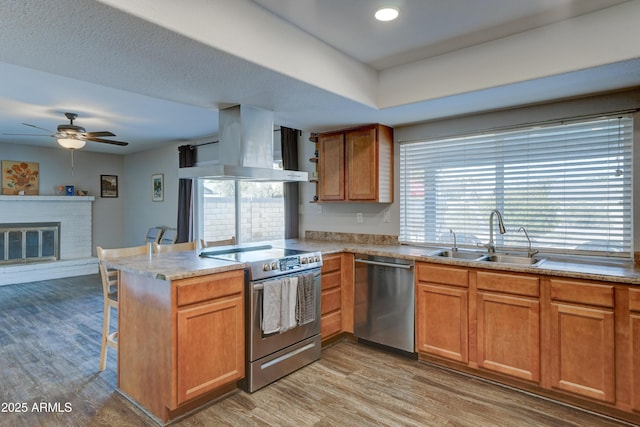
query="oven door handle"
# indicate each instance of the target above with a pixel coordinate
(260, 286)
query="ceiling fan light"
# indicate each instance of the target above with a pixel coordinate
(71, 143)
(386, 14)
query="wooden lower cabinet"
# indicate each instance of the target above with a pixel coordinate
(442, 327)
(582, 348)
(569, 339)
(337, 295)
(508, 324)
(181, 343)
(442, 324)
(206, 361)
(634, 336)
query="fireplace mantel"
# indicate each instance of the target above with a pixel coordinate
(47, 198)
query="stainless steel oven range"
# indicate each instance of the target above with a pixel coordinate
(272, 355)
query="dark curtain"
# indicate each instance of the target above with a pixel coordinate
(289, 141)
(187, 157)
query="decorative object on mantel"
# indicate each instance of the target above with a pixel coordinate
(20, 178)
(82, 193)
(69, 190)
(109, 186)
(157, 183)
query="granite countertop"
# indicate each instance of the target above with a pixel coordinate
(173, 265)
(589, 268)
(182, 265)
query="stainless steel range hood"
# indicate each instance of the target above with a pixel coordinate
(245, 149)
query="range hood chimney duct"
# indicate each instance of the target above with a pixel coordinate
(245, 149)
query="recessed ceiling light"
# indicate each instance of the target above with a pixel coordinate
(386, 14)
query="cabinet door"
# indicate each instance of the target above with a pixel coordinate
(442, 327)
(509, 335)
(635, 360)
(362, 166)
(210, 349)
(634, 336)
(582, 350)
(331, 167)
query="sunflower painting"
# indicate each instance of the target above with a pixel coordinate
(20, 176)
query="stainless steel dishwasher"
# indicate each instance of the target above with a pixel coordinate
(384, 301)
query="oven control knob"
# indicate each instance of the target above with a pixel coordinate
(274, 265)
(317, 258)
(266, 267)
(303, 260)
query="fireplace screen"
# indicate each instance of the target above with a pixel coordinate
(21, 243)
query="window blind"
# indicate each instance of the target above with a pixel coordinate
(568, 184)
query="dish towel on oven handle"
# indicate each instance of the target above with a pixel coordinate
(305, 309)
(289, 303)
(271, 301)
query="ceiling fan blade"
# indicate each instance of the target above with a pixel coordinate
(26, 134)
(99, 134)
(106, 141)
(37, 127)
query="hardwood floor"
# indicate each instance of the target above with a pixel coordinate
(50, 348)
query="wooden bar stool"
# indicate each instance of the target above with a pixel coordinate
(176, 247)
(110, 279)
(210, 243)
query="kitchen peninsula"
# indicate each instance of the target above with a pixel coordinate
(166, 365)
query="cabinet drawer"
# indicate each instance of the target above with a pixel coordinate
(331, 263)
(331, 280)
(210, 287)
(441, 274)
(331, 324)
(582, 292)
(331, 300)
(509, 283)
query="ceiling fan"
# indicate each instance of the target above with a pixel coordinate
(72, 136)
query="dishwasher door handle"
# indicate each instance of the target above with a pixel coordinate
(385, 264)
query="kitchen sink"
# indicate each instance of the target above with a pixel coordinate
(472, 256)
(485, 257)
(513, 259)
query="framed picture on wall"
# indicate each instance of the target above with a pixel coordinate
(108, 185)
(20, 178)
(157, 185)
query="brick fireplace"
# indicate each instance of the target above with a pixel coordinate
(74, 215)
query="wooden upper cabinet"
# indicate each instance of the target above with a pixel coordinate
(356, 165)
(331, 167)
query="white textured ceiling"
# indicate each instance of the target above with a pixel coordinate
(156, 71)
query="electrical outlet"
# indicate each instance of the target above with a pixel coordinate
(387, 216)
(359, 218)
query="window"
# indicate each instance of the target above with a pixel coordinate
(568, 184)
(260, 213)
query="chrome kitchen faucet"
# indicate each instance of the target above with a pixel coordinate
(491, 246)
